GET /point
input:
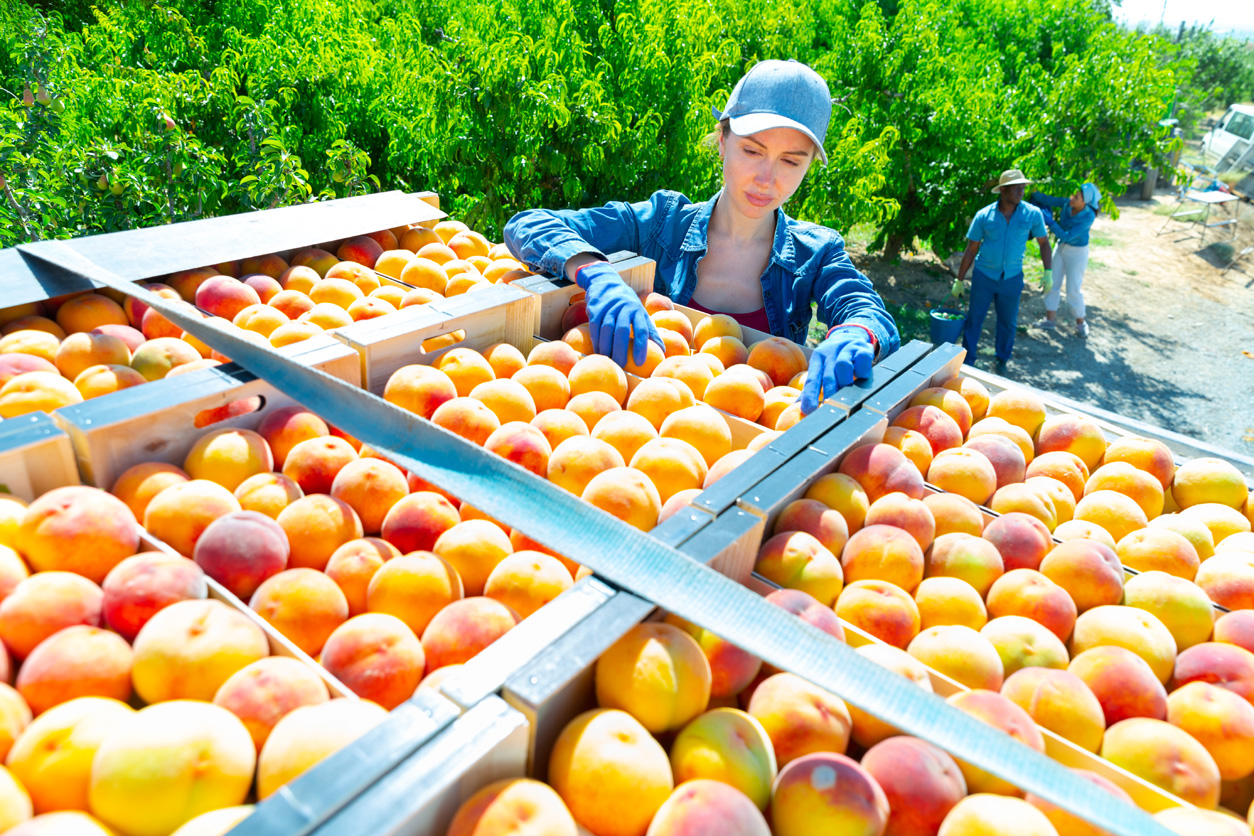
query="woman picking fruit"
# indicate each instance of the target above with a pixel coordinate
(737, 253)
(1072, 252)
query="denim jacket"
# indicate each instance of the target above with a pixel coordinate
(1068, 229)
(808, 261)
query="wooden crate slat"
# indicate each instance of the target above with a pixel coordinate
(35, 456)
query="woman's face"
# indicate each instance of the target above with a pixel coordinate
(1077, 202)
(762, 171)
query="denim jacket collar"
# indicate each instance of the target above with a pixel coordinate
(783, 252)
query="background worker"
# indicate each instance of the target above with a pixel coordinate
(995, 242)
(1072, 251)
(737, 253)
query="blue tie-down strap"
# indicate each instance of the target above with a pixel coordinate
(630, 558)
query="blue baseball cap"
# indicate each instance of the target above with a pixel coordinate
(780, 94)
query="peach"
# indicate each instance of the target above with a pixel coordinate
(414, 587)
(78, 661)
(526, 581)
(941, 431)
(1191, 821)
(1022, 643)
(985, 814)
(314, 463)
(884, 553)
(705, 806)
(881, 469)
(1031, 594)
(206, 756)
(91, 310)
(1165, 756)
(467, 417)
(215, 822)
(377, 656)
(677, 502)
(1181, 606)
(1072, 434)
(675, 321)
(843, 494)
(132, 338)
(625, 493)
(729, 350)
(1235, 627)
(1001, 427)
(1002, 714)
(298, 278)
(657, 398)
(1059, 701)
(739, 395)
(418, 520)
(579, 339)
(703, 428)
(267, 287)
(913, 445)
(658, 674)
(310, 734)
(796, 560)
(157, 357)
(548, 387)
(1159, 549)
(1021, 539)
(731, 669)
(242, 549)
(420, 389)
(597, 373)
(816, 519)
(267, 493)
(1067, 468)
(949, 401)
(12, 365)
(95, 381)
(1242, 541)
(557, 354)
(36, 392)
(881, 609)
(473, 548)
(303, 604)
(353, 565)
(1130, 627)
(557, 425)
(370, 486)
(1025, 499)
(577, 460)
(728, 745)
(189, 648)
(713, 327)
(954, 514)
(505, 806)
(1228, 580)
(37, 343)
(225, 296)
(625, 431)
(522, 444)
(81, 351)
(1207, 480)
(775, 402)
(967, 558)
(291, 303)
(1058, 493)
(336, 291)
(695, 372)
(591, 407)
(228, 457)
(780, 358)
(1088, 570)
(674, 344)
(654, 302)
(921, 782)
(458, 632)
(267, 265)
(1018, 407)
(287, 426)
(1140, 487)
(52, 759)
(415, 238)
(1221, 520)
(611, 773)
(827, 792)
(263, 692)
(1082, 530)
(942, 601)
(508, 399)
(810, 610)
(1122, 681)
(1116, 513)
(316, 526)
(1225, 665)
(1147, 455)
(363, 250)
(466, 368)
(78, 529)
(45, 603)
(910, 515)
(293, 332)
(868, 730)
(960, 653)
(1221, 721)
(654, 355)
(140, 586)
(965, 472)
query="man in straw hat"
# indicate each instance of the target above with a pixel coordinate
(996, 241)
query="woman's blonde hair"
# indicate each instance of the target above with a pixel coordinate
(710, 140)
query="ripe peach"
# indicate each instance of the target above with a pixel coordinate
(1181, 606)
(913, 445)
(1122, 681)
(941, 431)
(655, 399)
(414, 588)
(95, 381)
(967, 558)
(828, 793)
(1067, 468)
(1235, 627)
(729, 350)
(1221, 721)
(11, 365)
(370, 486)
(881, 469)
(1207, 480)
(189, 648)
(36, 392)
(303, 604)
(1115, 512)
(1225, 665)
(705, 806)
(1129, 627)
(298, 279)
(943, 601)
(557, 425)
(625, 493)
(695, 372)
(377, 656)
(960, 653)
(418, 520)
(557, 354)
(416, 237)
(81, 351)
(140, 586)
(458, 632)
(1088, 570)
(1121, 477)
(267, 493)
(1021, 539)
(513, 803)
(353, 565)
(1001, 427)
(242, 549)
(291, 303)
(1147, 455)
(579, 339)
(1165, 756)
(228, 457)
(1055, 492)
(597, 373)
(526, 581)
(740, 395)
(810, 610)
(843, 494)
(713, 327)
(1228, 580)
(910, 515)
(548, 387)
(611, 773)
(132, 338)
(657, 673)
(591, 407)
(78, 661)
(522, 444)
(316, 525)
(467, 417)
(1082, 530)
(775, 402)
(1031, 594)
(577, 460)
(1060, 701)
(15, 716)
(1072, 434)
(313, 464)
(780, 358)
(954, 514)
(508, 399)
(91, 310)
(78, 529)
(363, 250)
(703, 428)
(885, 553)
(816, 519)
(949, 401)
(155, 358)
(45, 603)
(263, 692)
(1221, 520)
(467, 369)
(1022, 642)
(287, 426)
(965, 472)
(677, 502)
(921, 782)
(37, 343)
(731, 669)
(1025, 499)
(728, 745)
(796, 560)
(625, 431)
(473, 548)
(225, 297)
(999, 712)
(13, 570)
(308, 735)
(420, 389)
(881, 609)
(985, 814)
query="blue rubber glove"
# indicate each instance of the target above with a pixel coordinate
(839, 360)
(616, 316)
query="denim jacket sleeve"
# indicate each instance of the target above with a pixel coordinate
(844, 295)
(1042, 199)
(1076, 230)
(544, 239)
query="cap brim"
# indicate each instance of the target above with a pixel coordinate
(752, 123)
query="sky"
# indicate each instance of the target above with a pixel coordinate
(1235, 16)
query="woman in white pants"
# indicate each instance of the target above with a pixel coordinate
(1071, 255)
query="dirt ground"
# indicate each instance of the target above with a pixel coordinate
(1171, 339)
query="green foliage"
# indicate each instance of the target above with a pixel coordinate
(1214, 72)
(176, 109)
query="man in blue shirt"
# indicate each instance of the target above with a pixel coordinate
(996, 241)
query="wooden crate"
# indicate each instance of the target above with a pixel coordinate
(35, 456)
(558, 294)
